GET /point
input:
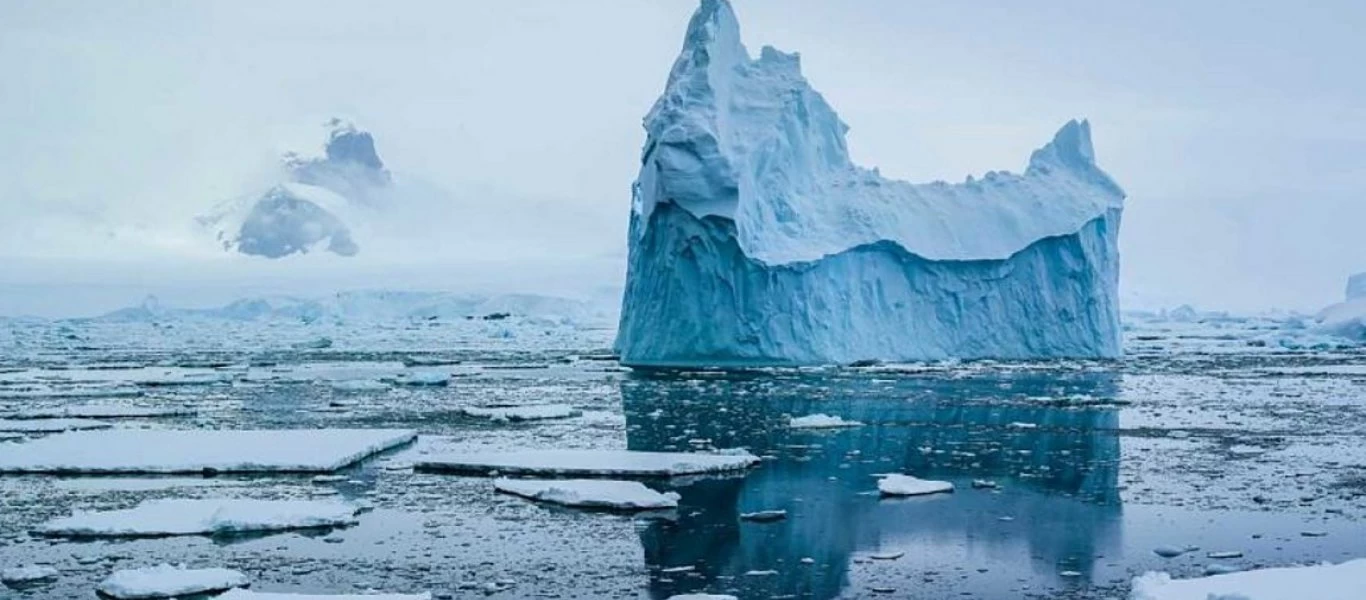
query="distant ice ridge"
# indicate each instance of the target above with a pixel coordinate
(755, 240)
(308, 210)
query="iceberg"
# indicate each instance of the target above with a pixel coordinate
(1346, 319)
(754, 240)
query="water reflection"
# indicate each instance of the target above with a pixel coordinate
(1057, 466)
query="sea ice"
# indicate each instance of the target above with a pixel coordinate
(166, 581)
(27, 574)
(905, 485)
(1343, 581)
(194, 451)
(49, 425)
(176, 516)
(99, 411)
(589, 493)
(526, 412)
(241, 594)
(821, 421)
(598, 463)
(754, 239)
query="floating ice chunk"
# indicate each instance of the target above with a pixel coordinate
(1328, 582)
(119, 391)
(178, 516)
(532, 412)
(598, 463)
(50, 425)
(100, 411)
(589, 493)
(821, 421)
(905, 485)
(424, 378)
(166, 581)
(194, 451)
(703, 597)
(359, 385)
(28, 574)
(241, 594)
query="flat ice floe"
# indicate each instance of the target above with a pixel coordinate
(905, 485)
(175, 516)
(196, 451)
(821, 421)
(28, 574)
(527, 412)
(597, 463)
(52, 392)
(241, 594)
(589, 493)
(99, 411)
(1343, 581)
(49, 425)
(166, 581)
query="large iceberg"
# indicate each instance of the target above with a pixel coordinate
(754, 240)
(1347, 318)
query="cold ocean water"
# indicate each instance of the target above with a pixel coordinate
(1242, 438)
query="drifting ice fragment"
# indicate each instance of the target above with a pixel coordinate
(532, 412)
(755, 240)
(1327, 582)
(595, 463)
(29, 574)
(166, 581)
(821, 421)
(49, 425)
(241, 594)
(905, 485)
(195, 451)
(175, 516)
(589, 493)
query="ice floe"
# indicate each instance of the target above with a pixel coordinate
(600, 463)
(49, 425)
(167, 581)
(905, 485)
(177, 516)
(194, 451)
(526, 412)
(241, 594)
(589, 493)
(821, 421)
(1342, 581)
(99, 411)
(27, 574)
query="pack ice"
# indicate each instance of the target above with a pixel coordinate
(755, 240)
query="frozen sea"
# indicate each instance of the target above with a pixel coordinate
(1241, 438)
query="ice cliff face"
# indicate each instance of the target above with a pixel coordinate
(309, 209)
(755, 240)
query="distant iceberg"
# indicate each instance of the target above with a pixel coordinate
(309, 210)
(1347, 319)
(755, 240)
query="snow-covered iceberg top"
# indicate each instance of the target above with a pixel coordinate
(750, 141)
(196, 451)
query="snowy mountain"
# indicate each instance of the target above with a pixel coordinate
(312, 207)
(755, 240)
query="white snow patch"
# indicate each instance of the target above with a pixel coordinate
(176, 516)
(166, 581)
(821, 421)
(191, 451)
(589, 493)
(905, 485)
(602, 463)
(1343, 581)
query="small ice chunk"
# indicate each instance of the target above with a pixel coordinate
(166, 581)
(1168, 551)
(598, 463)
(424, 379)
(703, 597)
(352, 386)
(589, 493)
(49, 425)
(27, 574)
(177, 516)
(821, 421)
(764, 516)
(905, 485)
(529, 412)
(241, 594)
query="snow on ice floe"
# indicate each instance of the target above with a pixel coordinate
(28, 574)
(167, 581)
(178, 516)
(754, 240)
(194, 451)
(241, 594)
(821, 421)
(597, 463)
(905, 485)
(1343, 581)
(50, 425)
(524, 412)
(589, 493)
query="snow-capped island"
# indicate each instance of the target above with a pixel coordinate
(754, 240)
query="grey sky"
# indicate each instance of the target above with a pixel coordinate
(1238, 128)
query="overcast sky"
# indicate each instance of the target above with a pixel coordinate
(1238, 128)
